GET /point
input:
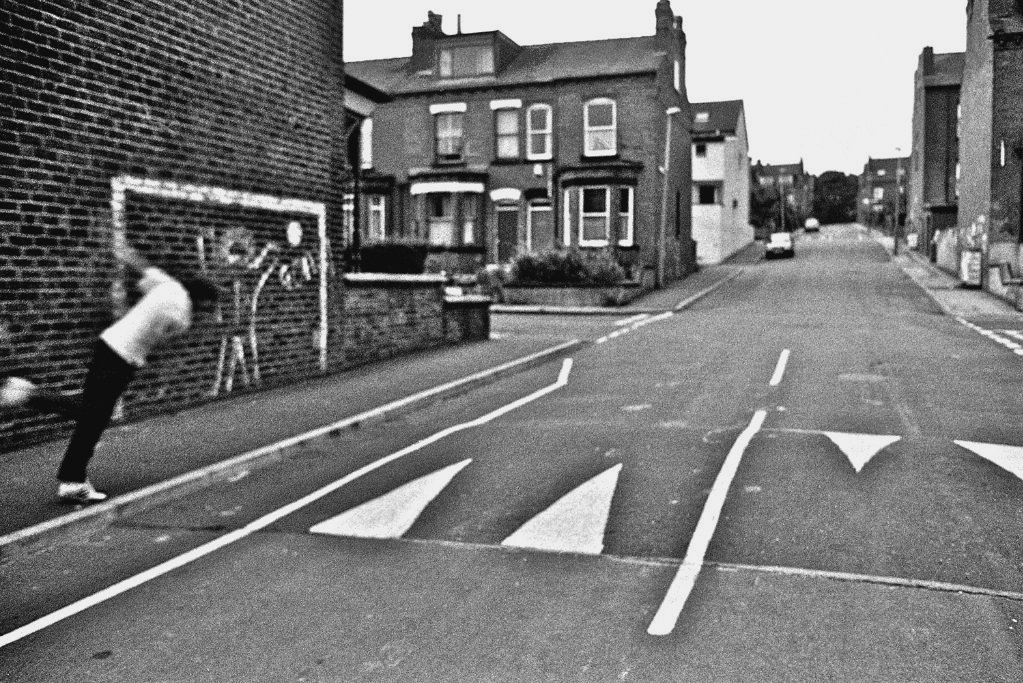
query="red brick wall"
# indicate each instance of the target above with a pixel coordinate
(198, 130)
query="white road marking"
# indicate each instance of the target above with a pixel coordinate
(634, 326)
(779, 369)
(860, 448)
(268, 519)
(632, 319)
(1009, 458)
(575, 523)
(1003, 337)
(682, 585)
(394, 513)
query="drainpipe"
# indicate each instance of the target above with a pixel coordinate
(669, 113)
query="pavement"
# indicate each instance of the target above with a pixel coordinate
(146, 462)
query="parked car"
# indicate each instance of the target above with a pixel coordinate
(812, 225)
(780, 244)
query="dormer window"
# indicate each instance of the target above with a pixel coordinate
(466, 60)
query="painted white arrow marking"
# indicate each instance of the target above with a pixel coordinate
(860, 448)
(575, 523)
(394, 513)
(1009, 458)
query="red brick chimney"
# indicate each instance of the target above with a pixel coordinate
(665, 20)
(422, 42)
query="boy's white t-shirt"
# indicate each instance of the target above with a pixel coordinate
(164, 310)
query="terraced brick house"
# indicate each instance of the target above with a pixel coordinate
(489, 149)
(934, 161)
(882, 192)
(721, 180)
(991, 145)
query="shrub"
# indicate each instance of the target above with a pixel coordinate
(571, 267)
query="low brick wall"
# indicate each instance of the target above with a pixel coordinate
(370, 317)
(541, 295)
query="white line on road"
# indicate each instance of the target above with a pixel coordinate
(779, 369)
(631, 319)
(634, 326)
(268, 519)
(682, 585)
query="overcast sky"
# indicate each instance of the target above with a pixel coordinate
(828, 81)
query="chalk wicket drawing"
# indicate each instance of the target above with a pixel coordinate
(236, 249)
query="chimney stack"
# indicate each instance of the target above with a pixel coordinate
(422, 42)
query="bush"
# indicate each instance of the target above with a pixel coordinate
(571, 267)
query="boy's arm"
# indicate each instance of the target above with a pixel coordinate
(130, 257)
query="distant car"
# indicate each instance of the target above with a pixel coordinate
(812, 225)
(780, 244)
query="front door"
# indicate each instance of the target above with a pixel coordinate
(507, 233)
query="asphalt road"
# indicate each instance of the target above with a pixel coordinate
(809, 475)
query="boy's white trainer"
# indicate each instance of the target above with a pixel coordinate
(79, 492)
(15, 391)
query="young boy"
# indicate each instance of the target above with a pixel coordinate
(164, 311)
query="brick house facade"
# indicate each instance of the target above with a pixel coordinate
(790, 181)
(882, 192)
(934, 161)
(210, 135)
(489, 149)
(991, 148)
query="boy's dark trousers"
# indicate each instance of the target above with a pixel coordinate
(107, 378)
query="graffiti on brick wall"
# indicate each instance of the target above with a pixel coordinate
(259, 270)
(250, 265)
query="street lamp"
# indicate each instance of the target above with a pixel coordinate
(898, 200)
(669, 113)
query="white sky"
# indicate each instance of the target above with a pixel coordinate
(828, 81)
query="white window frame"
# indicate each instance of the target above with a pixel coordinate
(630, 224)
(348, 216)
(366, 143)
(377, 205)
(548, 133)
(437, 136)
(606, 216)
(588, 129)
(678, 76)
(498, 136)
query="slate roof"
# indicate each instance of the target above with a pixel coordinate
(723, 118)
(534, 64)
(780, 169)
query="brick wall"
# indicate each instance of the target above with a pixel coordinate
(208, 134)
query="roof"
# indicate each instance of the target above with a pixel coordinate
(780, 169)
(722, 118)
(534, 64)
(888, 165)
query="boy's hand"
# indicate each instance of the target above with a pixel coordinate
(129, 256)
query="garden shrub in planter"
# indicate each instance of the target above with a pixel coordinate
(567, 268)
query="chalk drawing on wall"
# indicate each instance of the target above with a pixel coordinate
(250, 267)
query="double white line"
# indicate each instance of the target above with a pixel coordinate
(681, 587)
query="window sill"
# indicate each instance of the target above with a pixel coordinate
(599, 157)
